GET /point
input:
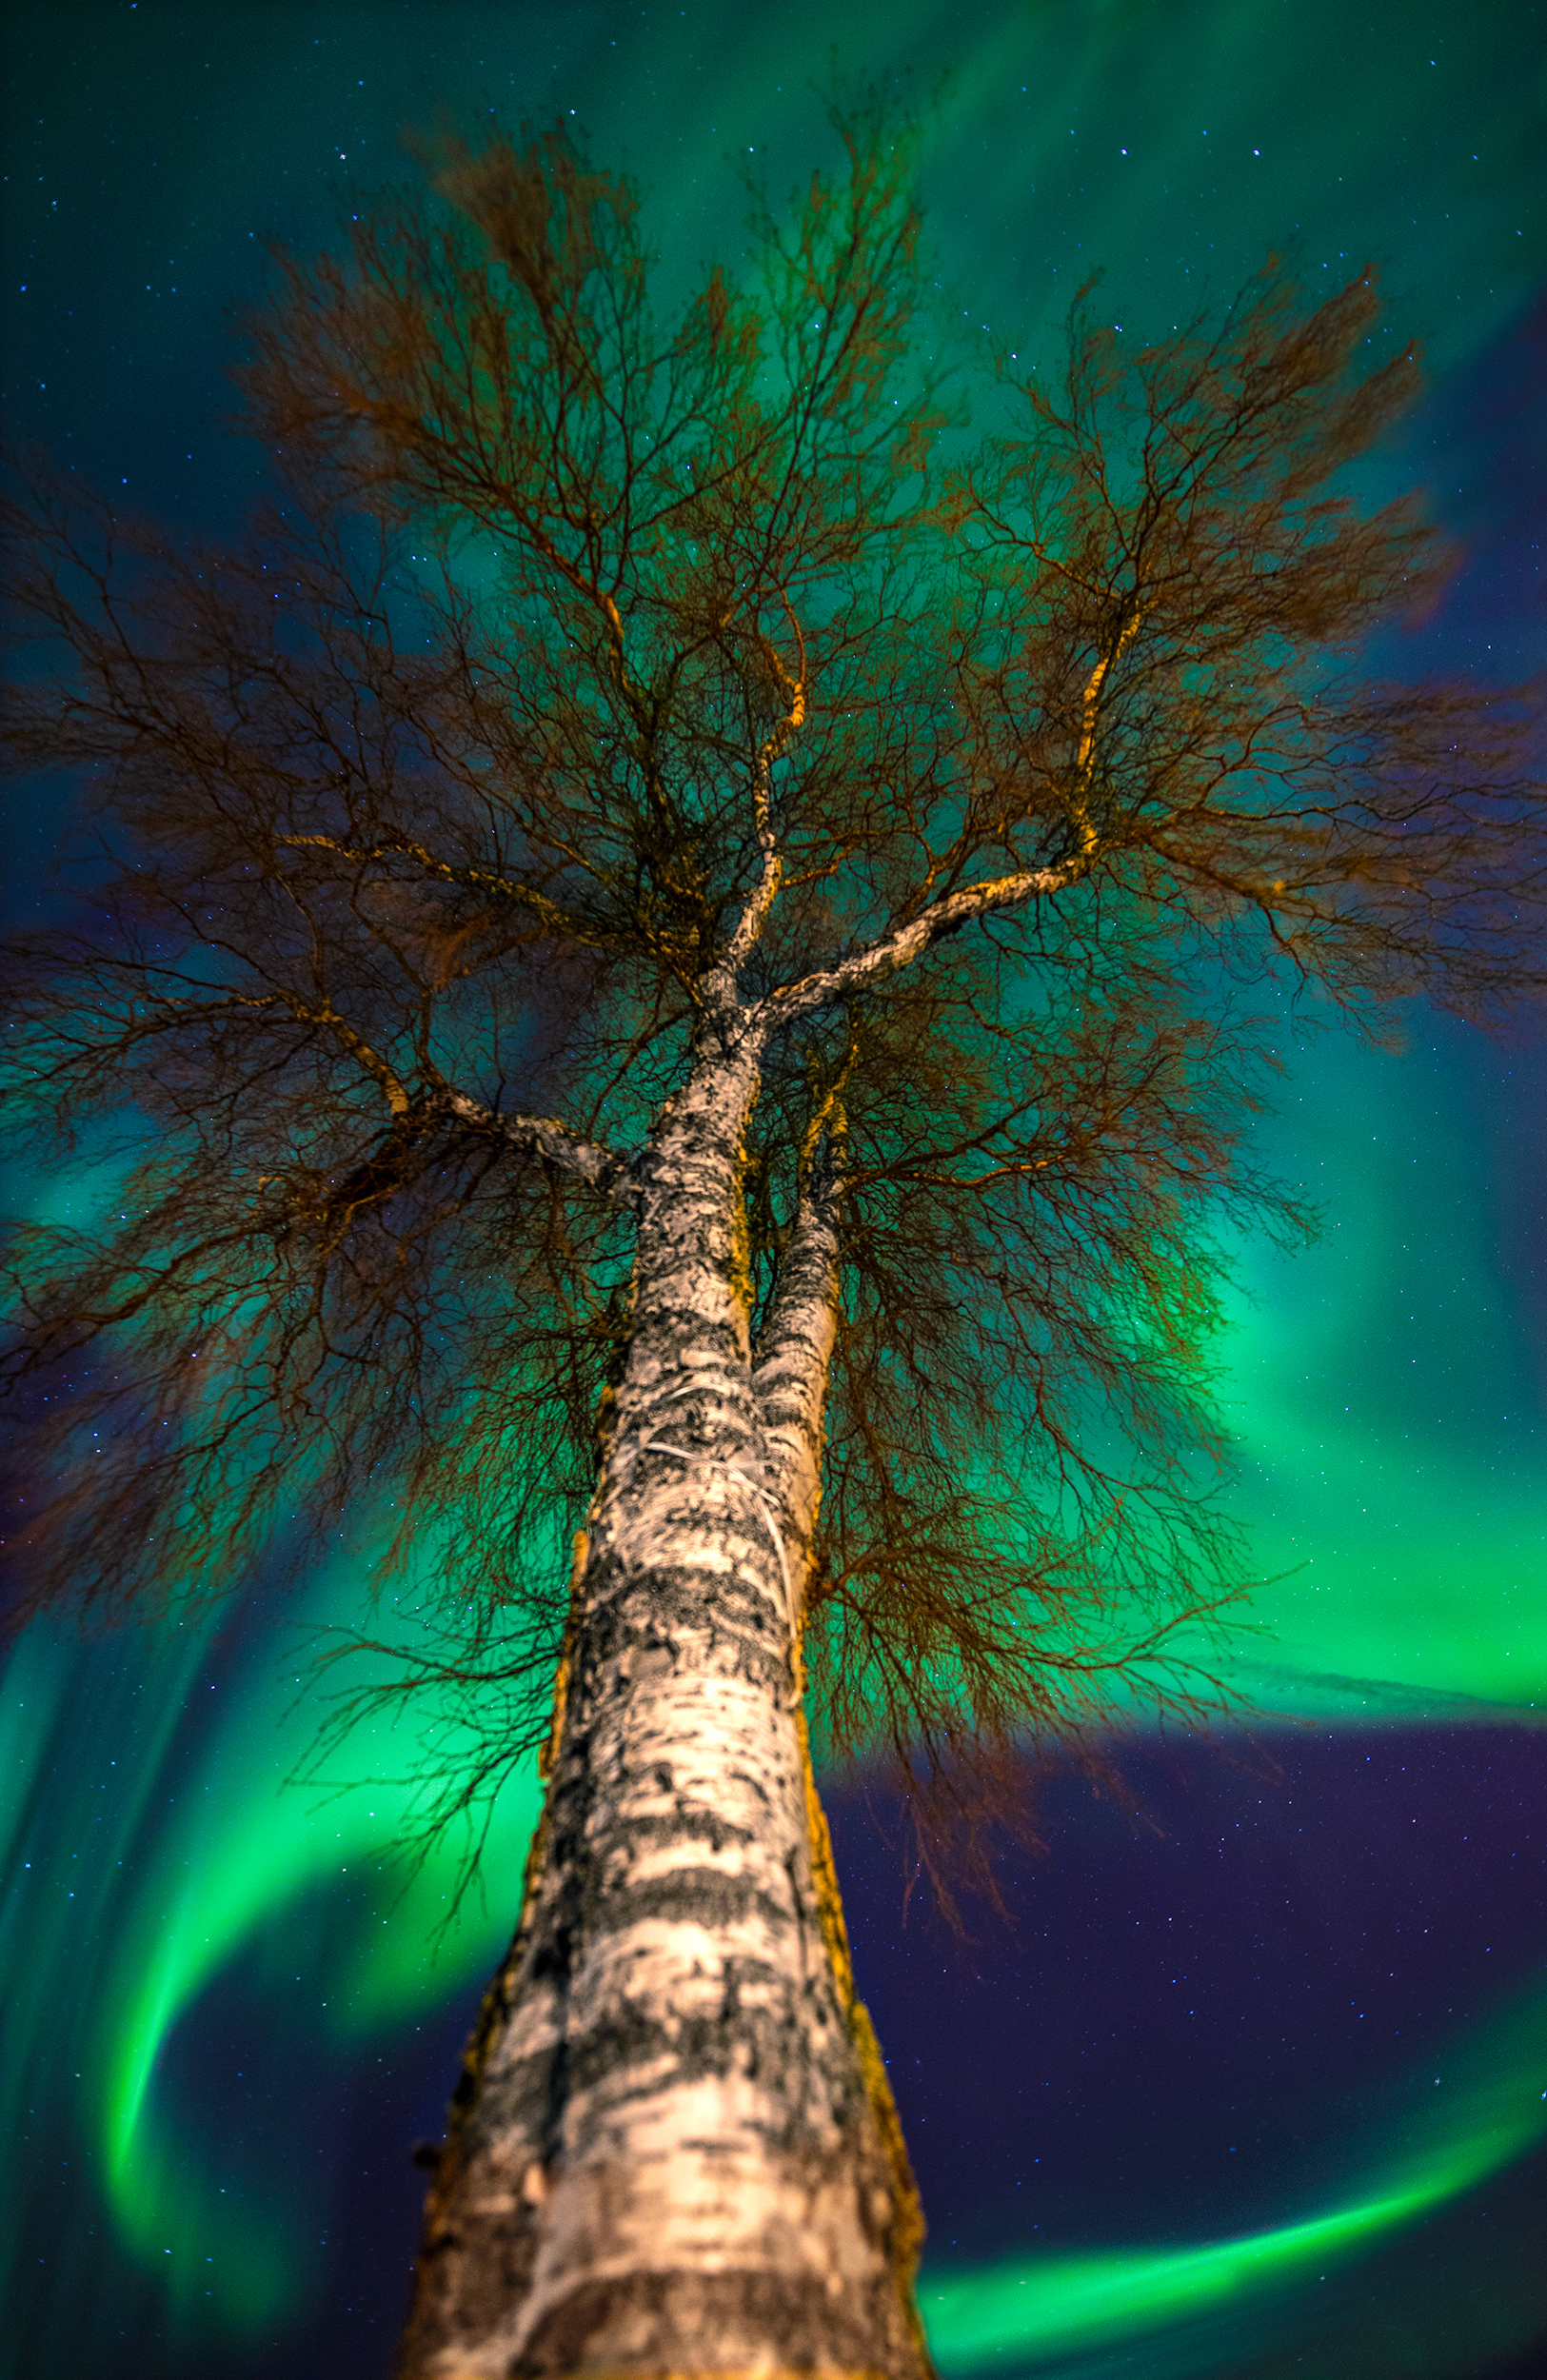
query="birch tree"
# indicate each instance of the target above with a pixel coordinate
(689, 955)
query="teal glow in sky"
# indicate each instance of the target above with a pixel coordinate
(1386, 1388)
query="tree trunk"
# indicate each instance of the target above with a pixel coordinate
(673, 2149)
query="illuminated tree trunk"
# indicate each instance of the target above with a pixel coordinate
(673, 2149)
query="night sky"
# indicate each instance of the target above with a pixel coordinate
(1250, 2076)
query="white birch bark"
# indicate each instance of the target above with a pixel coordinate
(672, 2154)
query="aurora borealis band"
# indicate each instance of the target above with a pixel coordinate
(1256, 2082)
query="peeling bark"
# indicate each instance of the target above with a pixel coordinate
(673, 2149)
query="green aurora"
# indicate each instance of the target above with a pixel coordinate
(238, 1853)
(1386, 1388)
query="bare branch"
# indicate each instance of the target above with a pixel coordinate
(478, 880)
(755, 915)
(590, 1162)
(867, 968)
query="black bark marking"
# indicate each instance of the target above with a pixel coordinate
(682, 2322)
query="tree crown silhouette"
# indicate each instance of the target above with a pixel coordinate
(583, 661)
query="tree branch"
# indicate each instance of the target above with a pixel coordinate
(755, 916)
(469, 879)
(548, 1137)
(905, 943)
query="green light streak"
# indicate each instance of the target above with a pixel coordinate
(238, 1860)
(185, 1891)
(1386, 1397)
(1026, 2308)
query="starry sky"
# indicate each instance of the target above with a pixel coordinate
(1250, 2077)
